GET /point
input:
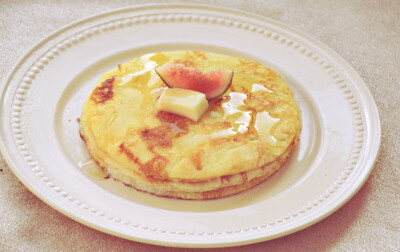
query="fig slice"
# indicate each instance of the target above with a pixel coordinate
(213, 83)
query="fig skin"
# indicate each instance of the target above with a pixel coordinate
(210, 97)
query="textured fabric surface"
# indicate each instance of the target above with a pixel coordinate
(365, 33)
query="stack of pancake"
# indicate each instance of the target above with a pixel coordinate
(242, 139)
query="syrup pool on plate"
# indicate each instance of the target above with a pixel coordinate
(92, 169)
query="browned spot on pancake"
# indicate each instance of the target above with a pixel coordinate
(157, 180)
(244, 176)
(269, 83)
(200, 55)
(259, 103)
(173, 126)
(272, 74)
(287, 133)
(82, 137)
(187, 63)
(263, 167)
(220, 140)
(210, 128)
(154, 167)
(245, 91)
(222, 125)
(158, 136)
(225, 178)
(197, 159)
(249, 65)
(195, 56)
(126, 151)
(180, 122)
(252, 118)
(104, 92)
(261, 148)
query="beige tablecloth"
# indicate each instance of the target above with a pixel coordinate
(365, 33)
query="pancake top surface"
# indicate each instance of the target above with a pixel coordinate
(249, 126)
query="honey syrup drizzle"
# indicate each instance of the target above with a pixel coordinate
(246, 119)
(92, 169)
(147, 75)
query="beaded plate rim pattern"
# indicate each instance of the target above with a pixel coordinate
(34, 63)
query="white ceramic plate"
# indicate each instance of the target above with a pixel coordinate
(43, 95)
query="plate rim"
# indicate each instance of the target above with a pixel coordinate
(330, 52)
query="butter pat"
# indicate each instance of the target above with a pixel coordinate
(183, 102)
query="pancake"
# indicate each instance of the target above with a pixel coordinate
(242, 139)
